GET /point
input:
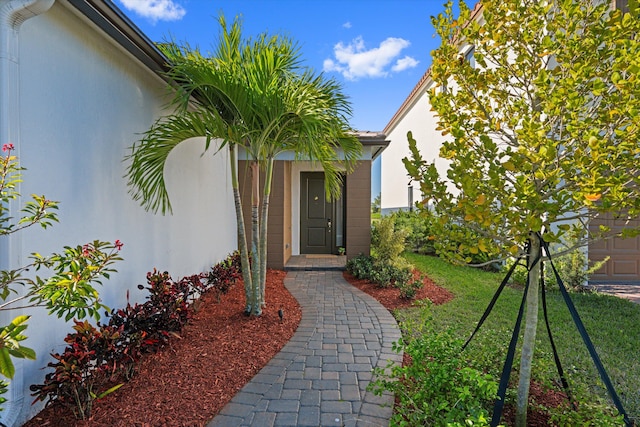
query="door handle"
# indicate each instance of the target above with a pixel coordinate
(329, 224)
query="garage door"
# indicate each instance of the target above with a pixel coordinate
(624, 262)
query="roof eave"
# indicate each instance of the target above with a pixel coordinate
(423, 82)
(377, 141)
(106, 15)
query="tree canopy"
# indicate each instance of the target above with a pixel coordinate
(543, 130)
(539, 103)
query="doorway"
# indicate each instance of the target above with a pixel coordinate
(321, 221)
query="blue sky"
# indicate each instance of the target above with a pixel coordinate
(378, 49)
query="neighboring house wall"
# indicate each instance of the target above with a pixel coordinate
(624, 255)
(83, 101)
(414, 115)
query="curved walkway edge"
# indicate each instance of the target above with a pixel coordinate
(320, 376)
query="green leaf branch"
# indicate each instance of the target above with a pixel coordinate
(67, 290)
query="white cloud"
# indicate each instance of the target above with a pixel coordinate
(354, 61)
(156, 10)
(404, 64)
(346, 25)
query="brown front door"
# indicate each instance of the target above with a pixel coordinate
(317, 222)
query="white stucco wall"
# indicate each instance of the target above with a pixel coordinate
(418, 118)
(83, 102)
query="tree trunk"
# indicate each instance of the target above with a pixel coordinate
(530, 328)
(242, 235)
(263, 229)
(256, 303)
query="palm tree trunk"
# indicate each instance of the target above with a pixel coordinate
(255, 239)
(242, 235)
(263, 229)
(531, 324)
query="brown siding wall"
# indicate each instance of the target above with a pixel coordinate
(358, 199)
(244, 180)
(358, 215)
(279, 223)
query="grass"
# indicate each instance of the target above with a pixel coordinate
(612, 323)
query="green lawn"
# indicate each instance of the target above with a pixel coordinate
(612, 323)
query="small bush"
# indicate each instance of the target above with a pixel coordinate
(171, 299)
(387, 242)
(437, 388)
(361, 267)
(385, 274)
(224, 275)
(82, 373)
(573, 269)
(519, 275)
(410, 289)
(418, 228)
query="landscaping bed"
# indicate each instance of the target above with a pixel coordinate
(191, 379)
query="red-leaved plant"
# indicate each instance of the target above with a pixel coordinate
(98, 360)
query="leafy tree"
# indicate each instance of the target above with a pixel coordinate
(542, 133)
(253, 95)
(68, 292)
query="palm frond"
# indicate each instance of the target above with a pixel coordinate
(145, 172)
(254, 93)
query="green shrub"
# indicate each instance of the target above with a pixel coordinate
(426, 234)
(519, 275)
(387, 242)
(437, 388)
(573, 270)
(418, 228)
(587, 415)
(389, 268)
(387, 274)
(409, 289)
(360, 266)
(381, 275)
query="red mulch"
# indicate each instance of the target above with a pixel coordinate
(188, 382)
(191, 380)
(540, 396)
(390, 297)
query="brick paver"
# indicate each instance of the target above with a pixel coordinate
(320, 377)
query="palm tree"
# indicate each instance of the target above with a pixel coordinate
(256, 96)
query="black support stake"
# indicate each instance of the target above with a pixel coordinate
(587, 341)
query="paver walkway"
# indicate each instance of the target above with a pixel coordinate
(628, 291)
(320, 377)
